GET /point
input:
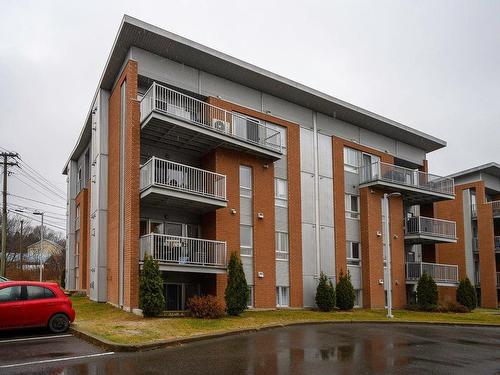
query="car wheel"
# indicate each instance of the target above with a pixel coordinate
(59, 323)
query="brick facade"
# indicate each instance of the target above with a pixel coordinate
(83, 201)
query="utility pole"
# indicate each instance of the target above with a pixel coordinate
(21, 258)
(6, 156)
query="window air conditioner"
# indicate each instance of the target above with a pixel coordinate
(220, 125)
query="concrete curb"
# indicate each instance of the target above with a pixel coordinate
(115, 347)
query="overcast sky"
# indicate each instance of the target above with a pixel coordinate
(432, 65)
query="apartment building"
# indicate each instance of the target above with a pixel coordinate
(476, 211)
(188, 155)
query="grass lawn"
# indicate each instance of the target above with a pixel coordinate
(118, 326)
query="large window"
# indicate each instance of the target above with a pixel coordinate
(352, 206)
(246, 240)
(353, 253)
(281, 246)
(282, 296)
(281, 192)
(351, 160)
(38, 292)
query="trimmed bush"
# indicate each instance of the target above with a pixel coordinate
(206, 307)
(345, 292)
(454, 307)
(466, 294)
(151, 299)
(325, 294)
(237, 291)
(427, 293)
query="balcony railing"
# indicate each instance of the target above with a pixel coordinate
(497, 243)
(171, 175)
(428, 226)
(496, 208)
(404, 176)
(475, 244)
(184, 250)
(498, 279)
(441, 273)
(173, 103)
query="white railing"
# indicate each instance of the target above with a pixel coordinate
(441, 273)
(165, 100)
(496, 208)
(165, 173)
(405, 176)
(431, 227)
(497, 243)
(184, 250)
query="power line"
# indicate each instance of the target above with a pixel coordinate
(36, 208)
(36, 201)
(41, 184)
(37, 220)
(32, 187)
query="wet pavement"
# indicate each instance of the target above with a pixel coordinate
(314, 349)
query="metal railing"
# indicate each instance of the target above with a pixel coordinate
(473, 210)
(496, 208)
(176, 176)
(405, 176)
(498, 278)
(441, 273)
(165, 100)
(184, 250)
(431, 227)
(497, 243)
(475, 244)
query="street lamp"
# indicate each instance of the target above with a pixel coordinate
(387, 235)
(40, 213)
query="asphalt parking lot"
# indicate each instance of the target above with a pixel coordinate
(39, 351)
(308, 349)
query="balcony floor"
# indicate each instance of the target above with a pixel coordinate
(427, 239)
(167, 198)
(173, 267)
(411, 194)
(168, 130)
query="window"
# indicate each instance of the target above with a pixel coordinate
(282, 296)
(272, 137)
(246, 240)
(352, 206)
(38, 292)
(357, 298)
(250, 296)
(281, 246)
(351, 160)
(10, 294)
(353, 253)
(281, 192)
(245, 181)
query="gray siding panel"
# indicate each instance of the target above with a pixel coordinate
(326, 201)
(306, 150)
(286, 110)
(307, 194)
(325, 155)
(308, 250)
(377, 141)
(247, 263)
(282, 277)
(281, 214)
(327, 251)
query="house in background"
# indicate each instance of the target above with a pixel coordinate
(34, 253)
(188, 154)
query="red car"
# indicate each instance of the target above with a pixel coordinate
(31, 304)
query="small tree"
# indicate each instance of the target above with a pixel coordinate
(63, 279)
(427, 293)
(345, 292)
(325, 294)
(237, 291)
(466, 294)
(151, 299)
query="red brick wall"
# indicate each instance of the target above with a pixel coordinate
(131, 190)
(264, 198)
(446, 294)
(82, 200)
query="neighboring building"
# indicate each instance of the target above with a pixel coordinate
(189, 154)
(477, 213)
(34, 254)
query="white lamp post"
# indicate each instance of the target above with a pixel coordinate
(387, 236)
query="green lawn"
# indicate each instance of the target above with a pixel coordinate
(115, 325)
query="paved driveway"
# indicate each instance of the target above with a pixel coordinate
(314, 349)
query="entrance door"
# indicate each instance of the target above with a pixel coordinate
(174, 298)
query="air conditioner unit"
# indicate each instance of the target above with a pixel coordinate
(220, 125)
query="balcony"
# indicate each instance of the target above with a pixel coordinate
(497, 244)
(166, 183)
(179, 120)
(498, 279)
(475, 244)
(441, 273)
(422, 229)
(185, 254)
(415, 186)
(496, 209)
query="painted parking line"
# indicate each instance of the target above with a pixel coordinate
(56, 360)
(34, 338)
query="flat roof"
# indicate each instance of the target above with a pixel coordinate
(491, 168)
(134, 32)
